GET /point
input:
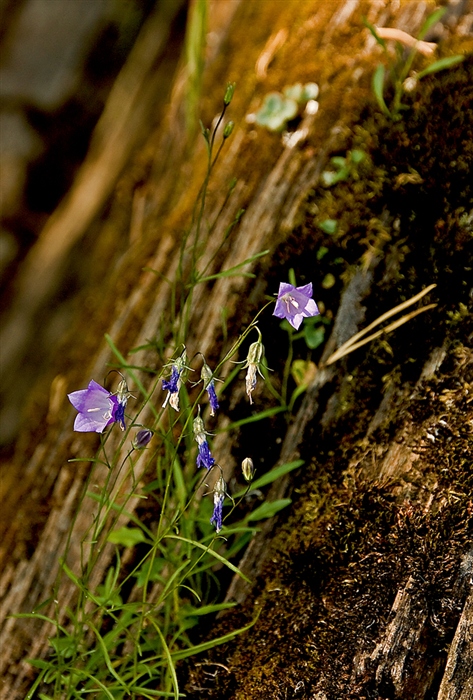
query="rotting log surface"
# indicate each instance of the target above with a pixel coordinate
(364, 587)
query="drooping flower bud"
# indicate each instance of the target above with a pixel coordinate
(142, 438)
(248, 469)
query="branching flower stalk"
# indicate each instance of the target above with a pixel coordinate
(122, 636)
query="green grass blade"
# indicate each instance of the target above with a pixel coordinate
(254, 419)
(441, 64)
(268, 510)
(106, 656)
(212, 553)
(233, 270)
(430, 21)
(378, 89)
(169, 659)
(205, 646)
(373, 31)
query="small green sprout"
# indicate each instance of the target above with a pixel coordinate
(342, 168)
(278, 109)
(399, 69)
(329, 226)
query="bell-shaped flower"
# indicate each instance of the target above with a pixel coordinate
(97, 409)
(295, 303)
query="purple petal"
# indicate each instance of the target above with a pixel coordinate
(295, 321)
(311, 308)
(118, 412)
(171, 385)
(306, 289)
(212, 398)
(284, 288)
(217, 515)
(204, 457)
(86, 424)
(280, 310)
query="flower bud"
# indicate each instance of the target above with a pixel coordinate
(228, 129)
(229, 93)
(142, 438)
(248, 469)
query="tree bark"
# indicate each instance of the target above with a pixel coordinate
(362, 588)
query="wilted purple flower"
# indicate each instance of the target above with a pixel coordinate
(204, 456)
(97, 408)
(175, 382)
(209, 386)
(253, 362)
(122, 395)
(295, 303)
(142, 438)
(219, 497)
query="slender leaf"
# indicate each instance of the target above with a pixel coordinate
(268, 510)
(257, 417)
(441, 64)
(217, 556)
(167, 654)
(232, 270)
(373, 31)
(185, 653)
(430, 21)
(378, 89)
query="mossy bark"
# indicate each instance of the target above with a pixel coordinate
(363, 588)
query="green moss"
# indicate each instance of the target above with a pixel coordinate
(350, 542)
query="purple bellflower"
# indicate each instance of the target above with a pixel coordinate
(97, 408)
(295, 303)
(204, 456)
(219, 497)
(209, 386)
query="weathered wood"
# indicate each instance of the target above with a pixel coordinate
(325, 42)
